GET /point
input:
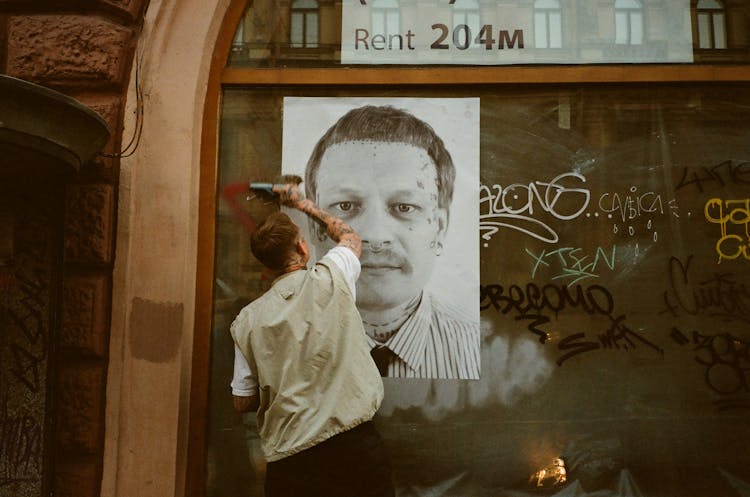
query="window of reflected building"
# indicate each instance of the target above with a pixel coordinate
(238, 42)
(548, 24)
(385, 17)
(467, 14)
(304, 24)
(628, 22)
(711, 19)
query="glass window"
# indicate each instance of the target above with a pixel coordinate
(711, 24)
(612, 236)
(270, 30)
(303, 31)
(385, 17)
(628, 22)
(547, 24)
(238, 41)
(467, 13)
(593, 201)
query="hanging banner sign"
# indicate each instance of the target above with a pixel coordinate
(476, 32)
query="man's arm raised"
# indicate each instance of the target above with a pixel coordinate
(290, 195)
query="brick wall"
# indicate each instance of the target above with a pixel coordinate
(83, 49)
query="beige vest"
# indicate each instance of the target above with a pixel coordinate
(305, 342)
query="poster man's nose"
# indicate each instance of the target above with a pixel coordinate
(375, 229)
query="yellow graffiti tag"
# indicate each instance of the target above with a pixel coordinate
(734, 217)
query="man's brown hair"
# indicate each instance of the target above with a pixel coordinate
(274, 242)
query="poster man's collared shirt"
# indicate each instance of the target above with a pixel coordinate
(305, 344)
(437, 341)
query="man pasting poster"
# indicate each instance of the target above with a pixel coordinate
(404, 173)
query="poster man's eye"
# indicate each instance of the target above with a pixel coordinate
(345, 206)
(405, 208)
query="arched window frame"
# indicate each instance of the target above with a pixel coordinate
(195, 473)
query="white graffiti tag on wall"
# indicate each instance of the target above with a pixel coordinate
(633, 205)
(515, 206)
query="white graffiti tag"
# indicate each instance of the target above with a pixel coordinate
(514, 206)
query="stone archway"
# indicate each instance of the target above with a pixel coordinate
(153, 302)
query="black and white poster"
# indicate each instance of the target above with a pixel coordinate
(403, 172)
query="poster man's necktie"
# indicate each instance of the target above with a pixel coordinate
(382, 357)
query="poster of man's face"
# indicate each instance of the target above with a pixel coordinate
(404, 173)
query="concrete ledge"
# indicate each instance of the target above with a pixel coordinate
(43, 131)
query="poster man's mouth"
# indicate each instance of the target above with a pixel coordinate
(381, 263)
(379, 269)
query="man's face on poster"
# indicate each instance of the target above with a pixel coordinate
(388, 193)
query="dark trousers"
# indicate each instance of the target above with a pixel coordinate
(350, 464)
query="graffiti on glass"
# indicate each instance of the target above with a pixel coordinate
(725, 173)
(733, 217)
(572, 264)
(725, 359)
(536, 305)
(517, 206)
(719, 296)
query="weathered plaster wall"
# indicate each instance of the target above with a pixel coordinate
(154, 278)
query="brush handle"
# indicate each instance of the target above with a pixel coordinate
(265, 187)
